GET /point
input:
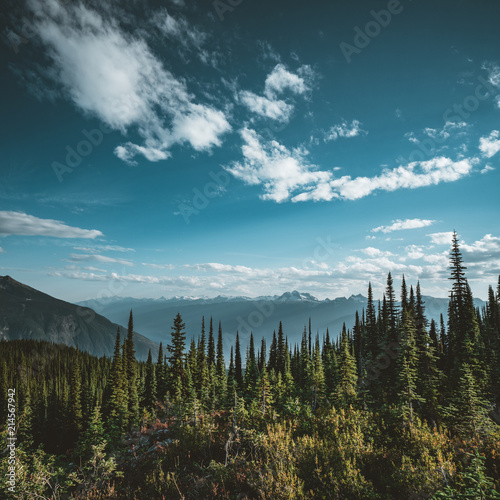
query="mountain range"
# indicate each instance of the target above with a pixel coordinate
(261, 315)
(30, 314)
(26, 313)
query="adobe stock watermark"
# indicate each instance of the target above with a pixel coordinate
(202, 197)
(363, 37)
(11, 440)
(223, 6)
(20, 36)
(456, 113)
(85, 147)
(382, 361)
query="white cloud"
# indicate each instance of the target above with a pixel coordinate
(413, 175)
(493, 70)
(345, 129)
(2, 250)
(158, 266)
(414, 252)
(399, 225)
(117, 78)
(21, 223)
(277, 82)
(441, 238)
(487, 168)
(490, 145)
(104, 248)
(280, 79)
(279, 170)
(98, 258)
(486, 244)
(375, 252)
(276, 109)
(283, 172)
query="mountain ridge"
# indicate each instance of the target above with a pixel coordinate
(28, 313)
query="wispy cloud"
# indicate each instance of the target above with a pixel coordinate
(411, 176)
(158, 266)
(399, 225)
(117, 78)
(21, 223)
(99, 258)
(277, 82)
(104, 248)
(345, 129)
(450, 128)
(493, 70)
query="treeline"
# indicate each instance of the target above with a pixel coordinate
(394, 373)
(393, 357)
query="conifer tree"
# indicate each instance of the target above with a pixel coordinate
(404, 297)
(118, 396)
(273, 354)
(201, 380)
(429, 377)
(75, 400)
(280, 350)
(468, 409)
(150, 385)
(264, 391)
(407, 364)
(251, 372)
(221, 368)
(161, 381)
(371, 326)
(305, 367)
(231, 380)
(262, 357)
(93, 436)
(238, 372)
(130, 365)
(176, 350)
(347, 374)
(317, 377)
(211, 346)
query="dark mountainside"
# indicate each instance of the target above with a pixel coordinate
(26, 313)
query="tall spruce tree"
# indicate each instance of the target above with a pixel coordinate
(211, 346)
(161, 381)
(176, 350)
(130, 366)
(346, 391)
(75, 400)
(407, 370)
(118, 402)
(150, 387)
(251, 371)
(238, 372)
(280, 350)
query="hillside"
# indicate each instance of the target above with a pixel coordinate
(26, 313)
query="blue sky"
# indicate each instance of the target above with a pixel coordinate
(242, 148)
